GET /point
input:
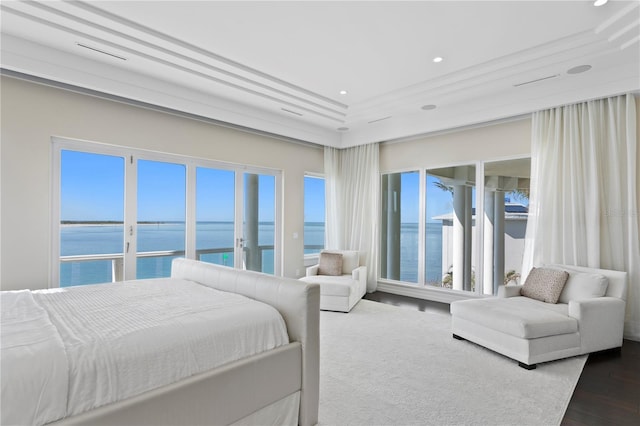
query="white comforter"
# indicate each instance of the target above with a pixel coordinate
(124, 339)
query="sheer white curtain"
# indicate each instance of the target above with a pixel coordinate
(583, 204)
(352, 188)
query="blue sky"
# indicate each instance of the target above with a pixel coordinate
(92, 189)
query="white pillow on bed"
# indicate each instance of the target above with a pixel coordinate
(583, 285)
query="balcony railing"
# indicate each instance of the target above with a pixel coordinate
(117, 259)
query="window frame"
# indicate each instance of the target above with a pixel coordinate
(440, 293)
(311, 258)
(131, 155)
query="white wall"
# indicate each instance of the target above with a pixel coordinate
(33, 113)
(505, 140)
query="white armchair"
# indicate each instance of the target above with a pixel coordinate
(340, 292)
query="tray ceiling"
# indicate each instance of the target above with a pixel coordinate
(280, 67)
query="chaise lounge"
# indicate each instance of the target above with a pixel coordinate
(588, 317)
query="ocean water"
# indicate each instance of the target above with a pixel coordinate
(216, 237)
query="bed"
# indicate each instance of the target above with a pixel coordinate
(157, 358)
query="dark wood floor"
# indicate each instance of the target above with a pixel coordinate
(608, 391)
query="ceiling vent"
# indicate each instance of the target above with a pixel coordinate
(104, 52)
(536, 80)
(291, 112)
(380, 119)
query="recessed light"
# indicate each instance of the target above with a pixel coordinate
(343, 92)
(600, 2)
(579, 69)
(437, 59)
(343, 129)
(428, 107)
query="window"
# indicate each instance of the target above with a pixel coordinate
(506, 209)
(161, 231)
(431, 234)
(122, 214)
(314, 214)
(91, 240)
(400, 226)
(215, 216)
(450, 206)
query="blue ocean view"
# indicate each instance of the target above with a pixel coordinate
(211, 239)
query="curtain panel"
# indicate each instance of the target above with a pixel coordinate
(583, 203)
(352, 186)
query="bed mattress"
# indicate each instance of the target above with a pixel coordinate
(108, 342)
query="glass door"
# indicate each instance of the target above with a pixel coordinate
(215, 216)
(161, 217)
(91, 218)
(259, 236)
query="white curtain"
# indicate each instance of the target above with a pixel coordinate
(352, 182)
(583, 203)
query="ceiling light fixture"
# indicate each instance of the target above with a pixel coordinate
(428, 107)
(437, 59)
(600, 2)
(579, 69)
(343, 92)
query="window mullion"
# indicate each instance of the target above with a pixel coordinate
(130, 217)
(190, 217)
(422, 215)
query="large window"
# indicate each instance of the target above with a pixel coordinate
(399, 227)
(506, 209)
(432, 235)
(91, 241)
(314, 214)
(125, 214)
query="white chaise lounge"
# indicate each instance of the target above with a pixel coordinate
(588, 317)
(345, 287)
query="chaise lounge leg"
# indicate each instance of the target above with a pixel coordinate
(455, 336)
(527, 366)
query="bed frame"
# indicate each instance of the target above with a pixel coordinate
(237, 390)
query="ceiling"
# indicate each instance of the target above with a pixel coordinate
(279, 66)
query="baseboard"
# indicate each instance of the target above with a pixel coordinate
(436, 295)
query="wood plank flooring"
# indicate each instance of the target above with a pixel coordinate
(608, 391)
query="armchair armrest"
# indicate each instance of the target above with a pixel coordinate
(509, 290)
(312, 270)
(360, 274)
(600, 322)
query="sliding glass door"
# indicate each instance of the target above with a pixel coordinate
(215, 216)
(123, 214)
(91, 220)
(161, 198)
(258, 231)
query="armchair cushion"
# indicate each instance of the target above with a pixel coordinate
(350, 259)
(330, 264)
(544, 284)
(582, 285)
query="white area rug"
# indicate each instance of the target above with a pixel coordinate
(387, 365)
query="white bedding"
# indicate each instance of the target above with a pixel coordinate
(33, 366)
(126, 338)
